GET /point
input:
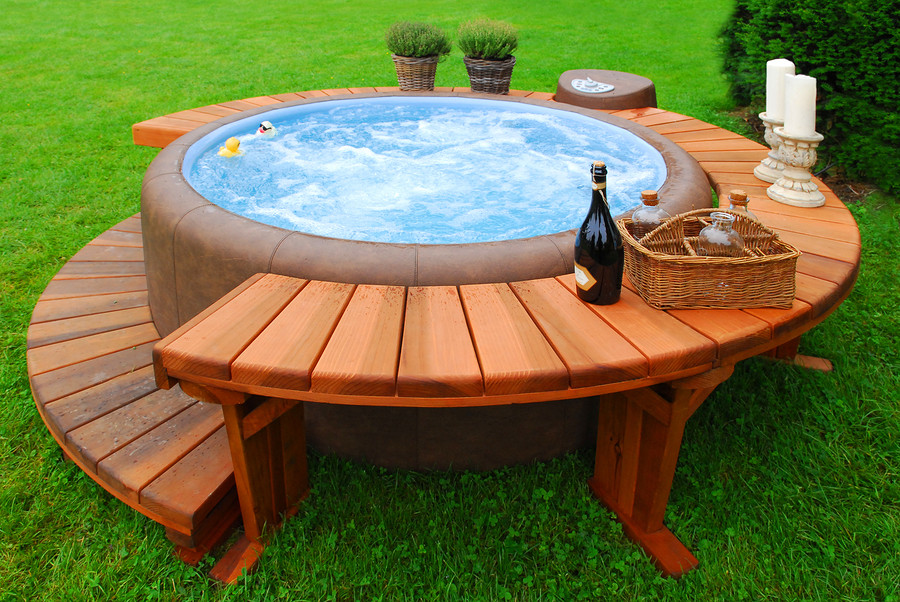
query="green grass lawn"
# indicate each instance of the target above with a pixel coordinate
(788, 486)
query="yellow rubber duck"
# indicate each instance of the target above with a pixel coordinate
(231, 148)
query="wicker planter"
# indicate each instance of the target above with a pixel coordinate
(416, 73)
(491, 77)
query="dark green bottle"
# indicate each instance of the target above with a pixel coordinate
(599, 255)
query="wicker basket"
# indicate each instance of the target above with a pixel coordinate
(668, 274)
(492, 77)
(415, 73)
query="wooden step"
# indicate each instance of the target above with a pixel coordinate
(89, 360)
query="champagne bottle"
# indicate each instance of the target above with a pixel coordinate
(599, 255)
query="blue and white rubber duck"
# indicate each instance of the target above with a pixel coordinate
(266, 129)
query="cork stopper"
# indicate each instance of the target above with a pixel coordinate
(650, 198)
(738, 197)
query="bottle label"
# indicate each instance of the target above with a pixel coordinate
(583, 278)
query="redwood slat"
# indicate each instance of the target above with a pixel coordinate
(668, 344)
(58, 309)
(83, 326)
(438, 356)
(80, 408)
(191, 487)
(83, 287)
(593, 351)
(361, 355)
(100, 269)
(55, 384)
(211, 346)
(284, 354)
(513, 354)
(134, 466)
(98, 439)
(65, 353)
(109, 253)
(732, 329)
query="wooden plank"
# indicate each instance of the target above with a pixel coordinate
(731, 156)
(58, 309)
(513, 354)
(438, 356)
(668, 344)
(782, 321)
(766, 208)
(839, 272)
(69, 352)
(687, 125)
(361, 356)
(732, 329)
(187, 492)
(727, 166)
(209, 348)
(118, 238)
(73, 328)
(80, 408)
(107, 253)
(288, 97)
(284, 354)
(217, 110)
(99, 438)
(134, 466)
(162, 379)
(593, 352)
(842, 251)
(262, 101)
(638, 112)
(240, 105)
(699, 135)
(84, 287)
(129, 224)
(100, 269)
(198, 115)
(732, 144)
(659, 119)
(811, 226)
(821, 294)
(53, 385)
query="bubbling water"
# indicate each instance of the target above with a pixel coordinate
(401, 171)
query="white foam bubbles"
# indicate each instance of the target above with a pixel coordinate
(416, 174)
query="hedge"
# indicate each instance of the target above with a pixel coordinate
(852, 48)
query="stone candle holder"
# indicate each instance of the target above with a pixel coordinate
(795, 186)
(770, 168)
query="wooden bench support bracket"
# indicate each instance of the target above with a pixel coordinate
(638, 439)
(268, 449)
(787, 353)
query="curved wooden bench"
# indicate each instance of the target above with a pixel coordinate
(90, 340)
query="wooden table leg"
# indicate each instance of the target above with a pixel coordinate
(638, 439)
(267, 438)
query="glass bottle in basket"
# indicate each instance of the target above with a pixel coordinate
(719, 239)
(739, 200)
(648, 216)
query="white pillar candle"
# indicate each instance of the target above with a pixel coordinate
(775, 72)
(800, 105)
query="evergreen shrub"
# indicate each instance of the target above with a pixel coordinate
(852, 48)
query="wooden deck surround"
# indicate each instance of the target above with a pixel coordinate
(166, 455)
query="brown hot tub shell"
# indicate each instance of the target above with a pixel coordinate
(195, 252)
